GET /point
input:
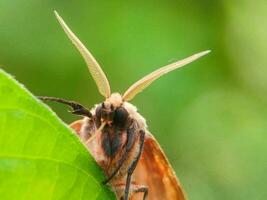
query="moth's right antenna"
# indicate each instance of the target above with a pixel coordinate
(148, 79)
(94, 68)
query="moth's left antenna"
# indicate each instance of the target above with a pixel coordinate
(94, 68)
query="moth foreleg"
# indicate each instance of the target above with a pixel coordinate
(134, 189)
(134, 164)
(77, 108)
(131, 133)
(143, 189)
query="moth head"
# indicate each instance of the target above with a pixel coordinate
(114, 101)
(112, 111)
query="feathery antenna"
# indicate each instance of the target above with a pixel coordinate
(94, 68)
(147, 80)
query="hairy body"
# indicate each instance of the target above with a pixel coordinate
(117, 145)
(122, 138)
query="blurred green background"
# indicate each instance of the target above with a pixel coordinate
(209, 117)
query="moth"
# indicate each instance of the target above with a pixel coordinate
(118, 138)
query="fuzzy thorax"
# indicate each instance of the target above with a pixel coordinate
(114, 100)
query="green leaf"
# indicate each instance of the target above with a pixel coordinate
(40, 157)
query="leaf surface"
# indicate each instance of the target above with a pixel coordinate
(40, 157)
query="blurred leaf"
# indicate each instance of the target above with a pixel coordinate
(234, 164)
(40, 158)
(246, 43)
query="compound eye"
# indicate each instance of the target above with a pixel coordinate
(98, 111)
(104, 114)
(98, 115)
(120, 117)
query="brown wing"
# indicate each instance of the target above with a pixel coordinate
(76, 126)
(154, 171)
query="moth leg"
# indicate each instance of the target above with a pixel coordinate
(77, 108)
(133, 165)
(143, 189)
(131, 133)
(120, 188)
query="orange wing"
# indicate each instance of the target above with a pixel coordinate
(154, 171)
(76, 126)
